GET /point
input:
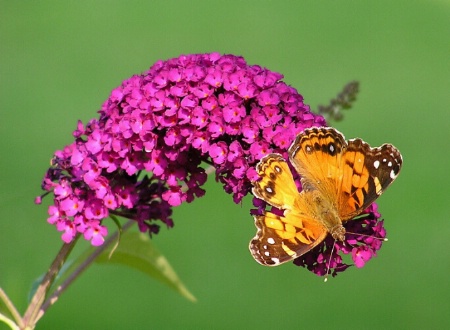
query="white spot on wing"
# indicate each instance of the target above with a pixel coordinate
(270, 240)
(376, 164)
(276, 260)
(393, 175)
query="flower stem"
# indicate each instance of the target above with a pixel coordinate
(12, 309)
(80, 269)
(9, 322)
(30, 318)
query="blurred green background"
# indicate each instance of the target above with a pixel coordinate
(60, 60)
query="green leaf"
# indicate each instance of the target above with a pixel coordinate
(34, 287)
(137, 251)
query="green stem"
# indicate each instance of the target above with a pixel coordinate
(80, 269)
(9, 322)
(30, 317)
(12, 309)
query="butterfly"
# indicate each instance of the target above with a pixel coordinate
(339, 180)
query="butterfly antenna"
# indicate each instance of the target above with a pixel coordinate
(357, 234)
(329, 263)
(363, 217)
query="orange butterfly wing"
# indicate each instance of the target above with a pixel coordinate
(276, 185)
(367, 173)
(350, 175)
(282, 238)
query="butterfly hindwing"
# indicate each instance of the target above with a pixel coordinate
(283, 238)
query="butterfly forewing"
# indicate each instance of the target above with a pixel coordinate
(317, 154)
(367, 173)
(276, 185)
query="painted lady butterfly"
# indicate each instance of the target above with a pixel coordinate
(339, 179)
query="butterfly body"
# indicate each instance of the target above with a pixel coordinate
(339, 180)
(321, 210)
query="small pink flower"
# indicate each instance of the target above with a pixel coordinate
(218, 152)
(69, 229)
(361, 255)
(71, 205)
(95, 233)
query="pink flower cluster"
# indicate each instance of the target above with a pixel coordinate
(144, 154)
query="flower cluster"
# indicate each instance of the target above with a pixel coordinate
(363, 239)
(144, 154)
